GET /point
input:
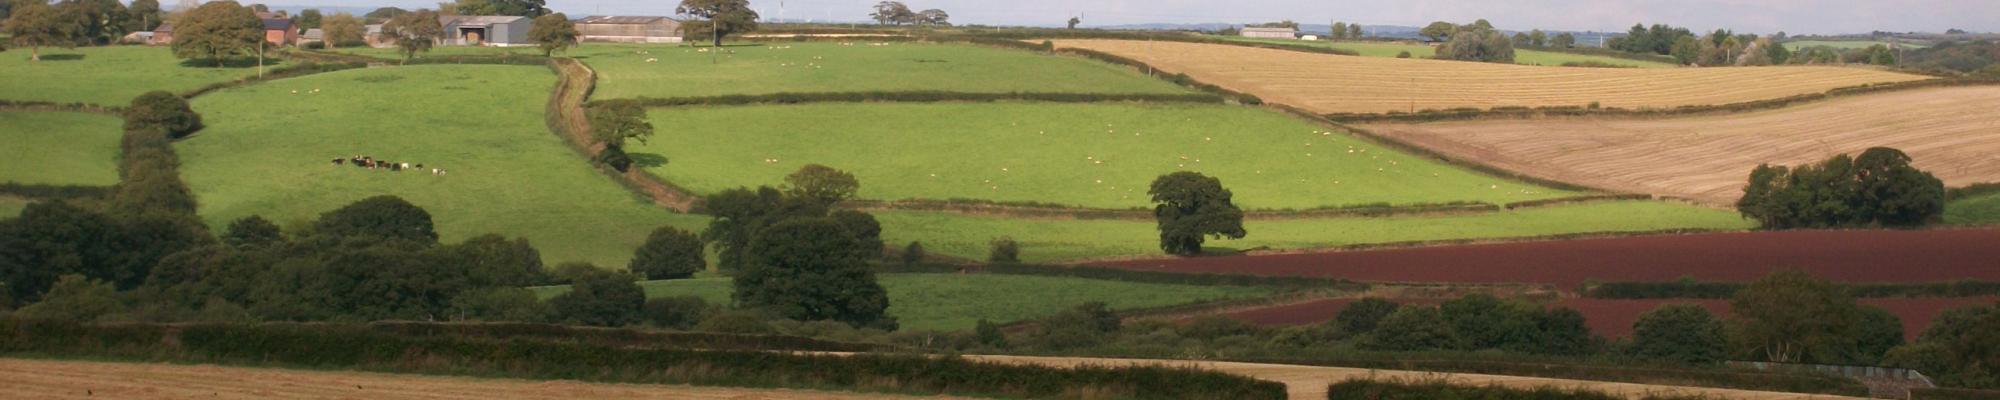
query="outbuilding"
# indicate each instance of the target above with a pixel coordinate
(1272, 33)
(629, 29)
(485, 30)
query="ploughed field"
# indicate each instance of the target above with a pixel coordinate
(110, 75)
(1842, 256)
(1099, 155)
(268, 150)
(1951, 132)
(1614, 318)
(1418, 50)
(1342, 84)
(59, 148)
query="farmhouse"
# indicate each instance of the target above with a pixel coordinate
(629, 29)
(279, 30)
(1275, 33)
(313, 35)
(162, 35)
(499, 31)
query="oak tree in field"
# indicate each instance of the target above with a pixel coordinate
(1074, 21)
(720, 18)
(1354, 31)
(822, 184)
(218, 30)
(1438, 31)
(893, 13)
(611, 124)
(668, 253)
(1192, 207)
(812, 269)
(601, 298)
(1563, 40)
(553, 33)
(343, 29)
(414, 32)
(1339, 31)
(1683, 333)
(1878, 189)
(1478, 42)
(379, 218)
(933, 17)
(104, 21)
(1790, 316)
(741, 213)
(34, 24)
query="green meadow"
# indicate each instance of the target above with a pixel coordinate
(1100, 155)
(109, 76)
(1419, 50)
(268, 147)
(948, 302)
(59, 148)
(1976, 210)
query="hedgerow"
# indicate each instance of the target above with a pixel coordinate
(38, 191)
(1439, 388)
(1518, 112)
(1126, 275)
(1691, 289)
(911, 97)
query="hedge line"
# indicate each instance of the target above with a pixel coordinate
(1718, 378)
(1051, 210)
(53, 191)
(287, 71)
(30, 105)
(1690, 289)
(1180, 79)
(1441, 388)
(1576, 199)
(1519, 112)
(925, 96)
(1973, 190)
(1952, 394)
(361, 348)
(1134, 276)
(617, 337)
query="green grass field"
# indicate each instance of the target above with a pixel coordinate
(1093, 155)
(1975, 210)
(1418, 50)
(267, 150)
(59, 148)
(1057, 240)
(1849, 44)
(103, 75)
(947, 302)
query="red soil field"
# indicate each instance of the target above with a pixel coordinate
(1614, 318)
(1843, 256)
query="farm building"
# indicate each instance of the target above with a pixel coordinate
(500, 31)
(162, 35)
(373, 35)
(629, 29)
(1275, 33)
(279, 30)
(313, 35)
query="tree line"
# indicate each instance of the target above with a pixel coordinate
(897, 13)
(70, 23)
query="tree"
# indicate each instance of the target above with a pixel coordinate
(1003, 250)
(104, 21)
(668, 253)
(1537, 38)
(35, 24)
(51, 239)
(1339, 31)
(518, 8)
(1875, 331)
(1686, 50)
(218, 30)
(1438, 31)
(384, 14)
(812, 269)
(1191, 207)
(1564, 40)
(1880, 188)
(1412, 329)
(1484, 45)
(934, 17)
(1073, 21)
(413, 32)
(892, 13)
(1364, 316)
(913, 253)
(342, 30)
(1521, 39)
(601, 299)
(612, 123)
(720, 18)
(76, 298)
(739, 215)
(309, 19)
(1790, 316)
(1354, 31)
(553, 32)
(822, 184)
(252, 231)
(383, 217)
(492, 260)
(1683, 333)
(145, 15)
(164, 111)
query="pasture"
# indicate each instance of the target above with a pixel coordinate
(1044, 240)
(1420, 50)
(109, 76)
(950, 302)
(1949, 132)
(1339, 84)
(268, 147)
(1091, 155)
(59, 148)
(1976, 210)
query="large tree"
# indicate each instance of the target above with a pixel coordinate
(1790, 316)
(669, 253)
(553, 33)
(601, 299)
(218, 30)
(1192, 207)
(1681, 333)
(343, 29)
(813, 269)
(162, 110)
(377, 218)
(933, 17)
(414, 32)
(892, 13)
(35, 24)
(1438, 31)
(309, 19)
(720, 18)
(822, 184)
(104, 21)
(740, 213)
(145, 15)
(1879, 188)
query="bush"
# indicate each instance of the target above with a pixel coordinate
(678, 312)
(252, 231)
(1404, 54)
(313, 45)
(1213, 327)
(75, 298)
(1878, 189)
(380, 218)
(736, 322)
(601, 299)
(1363, 316)
(913, 254)
(1410, 329)
(1682, 333)
(669, 253)
(1445, 389)
(1004, 250)
(164, 111)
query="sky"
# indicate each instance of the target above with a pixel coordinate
(1758, 16)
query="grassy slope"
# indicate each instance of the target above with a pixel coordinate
(1521, 56)
(59, 148)
(1049, 154)
(1976, 210)
(957, 302)
(1047, 240)
(103, 75)
(266, 151)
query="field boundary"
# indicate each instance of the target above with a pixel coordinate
(50, 106)
(926, 96)
(575, 81)
(1516, 113)
(55, 192)
(1419, 244)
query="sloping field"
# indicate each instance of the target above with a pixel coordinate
(59, 148)
(1951, 132)
(624, 72)
(1089, 155)
(46, 379)
(1842, 256)
(1339, 84)
(268, 148)
(1419, 50)
(110, 75)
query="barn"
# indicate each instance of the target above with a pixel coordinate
(163, 35)
(488, 30)
(1273, 33)
(629, 29)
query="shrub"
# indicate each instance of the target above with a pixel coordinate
(571, 272)
(252, 231)
(162, 110)
(1004, 250)
(669, 253)
(736, 322)
(989, 334)
(381, 217)
(1410, 329)
(1212, 327)
(1405, 54)
(76, 298)
(602, 298)
(1363, 316)
(678, 312)
(913, 254)
(1683, 333)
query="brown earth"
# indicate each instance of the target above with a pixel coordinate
(1951, 132)
(1327, 83)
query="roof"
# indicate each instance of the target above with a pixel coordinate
(315, 33)
(277, 23)
(164, 28)
(1258, 29)
(623, 20)
(479, 19)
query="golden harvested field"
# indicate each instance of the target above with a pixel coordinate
(1344, 84)
(1951, 132)
(43, 379)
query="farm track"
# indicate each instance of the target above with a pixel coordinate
(1343, 84)
(1950, 132)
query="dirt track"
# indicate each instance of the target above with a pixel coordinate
(1951, 132)
(1340, 84)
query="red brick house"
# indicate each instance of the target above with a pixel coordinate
(279, 30)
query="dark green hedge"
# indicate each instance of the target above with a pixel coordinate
(1952, 394)
(287, 71)
(1126, 275)
(623, 337)
(54, 106)
(911, 96)
(1690, 289)
(1977, 189)
(1441, 389)
(53, 191)
(364, 348)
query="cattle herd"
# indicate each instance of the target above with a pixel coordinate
(392, 166)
